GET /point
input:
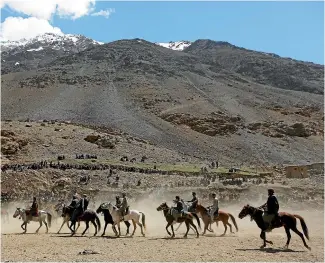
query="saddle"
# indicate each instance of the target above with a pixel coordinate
(32, 213)
(216, 213)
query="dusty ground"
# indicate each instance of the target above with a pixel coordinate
(156, 246)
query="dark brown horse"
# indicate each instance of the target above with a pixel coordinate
(187, 218)
(222, 216)
(286, 220)
(87, 216)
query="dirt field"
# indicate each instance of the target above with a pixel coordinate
(156, 246)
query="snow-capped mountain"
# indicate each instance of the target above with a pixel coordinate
(28, 54)
(50, 40)
(178, 45)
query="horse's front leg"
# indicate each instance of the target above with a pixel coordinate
(104, 229)
(24, 228)
(119, 228)
(167, 228)
(263, 236)
(62, 226)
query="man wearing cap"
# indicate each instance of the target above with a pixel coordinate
(193, 202)
(271, 208)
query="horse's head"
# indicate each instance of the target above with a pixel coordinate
(17, 212)
(247, 210)
(162, 207)
(101, 208)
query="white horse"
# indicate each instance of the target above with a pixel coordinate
(133, 215)
(42, 217)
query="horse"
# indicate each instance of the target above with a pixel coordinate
(133, 215)
(109, 220)
(66, 214)
(4, 215)
(42, 217)
(286, 220)
(186, 209)
(87, 216)
(222, 216)
(188, 219)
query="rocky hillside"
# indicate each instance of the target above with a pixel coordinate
(212, 100)
(34, 53)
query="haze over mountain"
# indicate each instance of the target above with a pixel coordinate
(205, 98)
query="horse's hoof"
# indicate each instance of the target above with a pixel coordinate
(102, 235)
(271, 243)
(263, 246)
(309, 248)
(185, 236)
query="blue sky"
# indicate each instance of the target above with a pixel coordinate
(289, 29)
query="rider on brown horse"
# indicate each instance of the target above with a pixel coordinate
(179, 207)
(214, 207)
(193, 202)
(33, 210)
(118, 202)
(272, 208)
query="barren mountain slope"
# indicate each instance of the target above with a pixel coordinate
(187, 102)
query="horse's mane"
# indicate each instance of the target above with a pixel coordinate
(204, 208)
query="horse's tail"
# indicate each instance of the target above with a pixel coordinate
(233, 221)
(49, 218)
(143, 220)
(197, 219)
(97, 221)
(303, 225)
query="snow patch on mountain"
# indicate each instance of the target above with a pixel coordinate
(178, 45)
(35, 49)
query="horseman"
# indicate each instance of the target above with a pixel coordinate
(73, 202)
(118, 201)
(179, 208)
(214, 207)
(33, 211)
(271, 208)
(80, 208)
(194, 201)
(124, 209)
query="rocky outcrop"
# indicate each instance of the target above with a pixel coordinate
(11, 143)
(107, 141)
(213, 125)
(281, 129)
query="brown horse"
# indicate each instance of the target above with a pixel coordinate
(286, 220)
(188, 219)
(222, 216)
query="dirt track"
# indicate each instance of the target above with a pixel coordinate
(156, 246)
